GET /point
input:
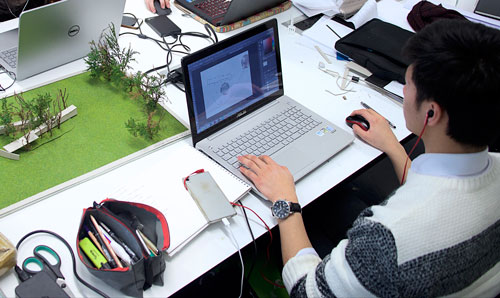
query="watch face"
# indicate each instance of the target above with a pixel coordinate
(281, 209)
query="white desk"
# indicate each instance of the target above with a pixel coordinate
(303, 81)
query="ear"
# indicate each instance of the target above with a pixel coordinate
(435, 114)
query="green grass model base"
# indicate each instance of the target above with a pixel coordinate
(95, 137)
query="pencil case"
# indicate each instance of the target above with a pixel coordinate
(124, 221)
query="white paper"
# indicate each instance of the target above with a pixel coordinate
(309, 12)
(367, 12)
(317, 4)
(319, 34)
(395, 87)
(162, 187)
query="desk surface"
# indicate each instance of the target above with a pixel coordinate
(303, 81)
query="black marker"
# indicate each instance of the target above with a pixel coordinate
(119, 241)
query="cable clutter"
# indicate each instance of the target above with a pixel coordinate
(47, 280)
(9, 73)
(170, 47)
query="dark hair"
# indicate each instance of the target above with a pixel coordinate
(456, 63)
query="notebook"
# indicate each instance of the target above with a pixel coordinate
(55, 34)
(224, 12)
(235, 96)
(162, 187)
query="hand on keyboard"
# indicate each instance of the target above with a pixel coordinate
(271, 179)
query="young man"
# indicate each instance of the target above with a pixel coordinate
(439, 233)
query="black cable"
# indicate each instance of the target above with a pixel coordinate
(11, 12)
(211, 31)
(72, 257)
(253, 239)
(177, 86)
(169, 47)
(137, 21)
(3, 89)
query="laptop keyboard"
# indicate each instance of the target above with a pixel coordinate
(9, 56)
(213, 8)
(269, 136)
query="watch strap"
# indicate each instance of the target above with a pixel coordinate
(295, 207)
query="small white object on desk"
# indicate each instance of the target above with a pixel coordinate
(162, 187)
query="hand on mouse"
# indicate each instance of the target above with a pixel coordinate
(380, 134)
(151, 6)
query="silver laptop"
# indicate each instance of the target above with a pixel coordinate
(237, 106)
(55, 34)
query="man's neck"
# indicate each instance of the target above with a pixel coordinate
(445, 144)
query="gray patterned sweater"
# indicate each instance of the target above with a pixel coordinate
(436, 236)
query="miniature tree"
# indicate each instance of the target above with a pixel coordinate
(6, 117)
(61, 99)
(32, 114)
(25, 114)
(151, 93)
(106, 60)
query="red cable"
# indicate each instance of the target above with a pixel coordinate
(268, 246)
(267, 227)
(413, 148)
(193, 173)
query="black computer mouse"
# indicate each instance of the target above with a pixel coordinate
(359, 120)
(161, 11)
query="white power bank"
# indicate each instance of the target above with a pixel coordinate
(209, 197)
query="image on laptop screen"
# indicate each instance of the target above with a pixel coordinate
(234, 78)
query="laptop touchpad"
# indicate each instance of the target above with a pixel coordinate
(293, 158)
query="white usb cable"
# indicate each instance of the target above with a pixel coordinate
(227, 224)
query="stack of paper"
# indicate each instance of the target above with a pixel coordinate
(313, 7)
(162, 187)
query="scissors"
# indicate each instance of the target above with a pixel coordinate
(42, 264)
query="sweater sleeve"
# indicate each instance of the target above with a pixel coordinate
(356, 267)
(309, 276)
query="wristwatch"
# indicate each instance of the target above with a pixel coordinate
(281, 209)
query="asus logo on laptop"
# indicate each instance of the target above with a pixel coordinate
(241, 113)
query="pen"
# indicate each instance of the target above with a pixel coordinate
(149, 243)
(105, 251)
(368, 107)
(117, 239)
(119, 250)
(333, 31)
(108, 246)
(146, 249)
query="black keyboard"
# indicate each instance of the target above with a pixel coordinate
(213, 8)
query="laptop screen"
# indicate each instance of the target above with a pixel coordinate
(227, 81)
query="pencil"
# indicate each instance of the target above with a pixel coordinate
(333, 31)
(108, 246)
(368, 107)
(94, 239)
